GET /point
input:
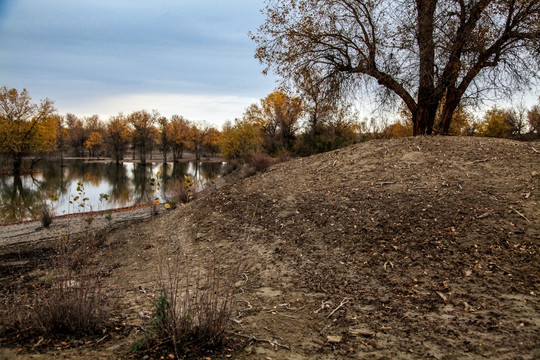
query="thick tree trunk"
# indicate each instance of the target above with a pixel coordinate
(424, 117)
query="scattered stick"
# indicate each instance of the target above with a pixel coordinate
(272, 343)
(520, 214)
(387, 183)
(388, 262)
(343, 302)
(479, 161)
(483, 215)
(536, 151)
(335, 162)
(445, 299)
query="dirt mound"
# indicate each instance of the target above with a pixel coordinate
(410, 248)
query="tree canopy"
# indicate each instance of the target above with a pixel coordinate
(25, 127)
(430, 54)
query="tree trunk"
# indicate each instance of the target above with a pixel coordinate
(450, 106)
(17, 162)
(164, 156)
(424, 117)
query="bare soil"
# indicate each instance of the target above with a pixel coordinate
(424, 247)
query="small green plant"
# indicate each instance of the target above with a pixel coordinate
(80, 200)
(138, 345)
(108, 216)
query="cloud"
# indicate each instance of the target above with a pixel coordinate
(215, 109)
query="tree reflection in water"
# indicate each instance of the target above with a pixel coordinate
(126, 184)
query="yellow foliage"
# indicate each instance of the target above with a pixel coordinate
(494, 124)
(94, 141)
(25, 128)
(240, 140)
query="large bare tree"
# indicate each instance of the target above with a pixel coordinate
(429, 53)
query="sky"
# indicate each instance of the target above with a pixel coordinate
(188, 57)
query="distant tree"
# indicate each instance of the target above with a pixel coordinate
(533, 118)
(62, 137)
(179, 132)
(211, 141)
(165, 140)
(240, 140)
(198, 135)
(431, 54)
(93, 143)
(143, 133)
(494, 124)
(77, 133)
(118, 135)
(278, 117)
(25, 128)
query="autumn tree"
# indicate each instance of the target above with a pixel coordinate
(165, 140)
(533, 118)
(494, 124)
(25, 127)
(118, 135)
(179, 133)
(93, 143)
(198, 135)
(77, 133)
(211, 142)
(143, 134)
(431, 54)
(240, 140)
(278, 117)
(62, 137)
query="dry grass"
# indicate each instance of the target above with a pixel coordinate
(196, 304)
(70, 300)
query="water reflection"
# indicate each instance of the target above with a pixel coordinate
(125, 184)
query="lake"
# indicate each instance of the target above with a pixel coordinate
(126, 184)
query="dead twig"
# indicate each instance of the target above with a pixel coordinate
(520, 214)
(386, 183)
(479, 161)
(271, 342)
(343, 302)
(388, 262)
(484, 215)
(536, 151)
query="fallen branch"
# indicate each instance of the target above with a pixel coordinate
(536, 151)
(520, 214)
(484, 215)
(272, 343)
(387, 183)
(343, 302)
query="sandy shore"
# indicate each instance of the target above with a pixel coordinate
(33, 232)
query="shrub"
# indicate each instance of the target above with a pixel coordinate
(260, 161)
(180, 192)
(70, 300)
(195, 306)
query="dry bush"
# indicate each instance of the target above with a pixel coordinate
(181, 192)
(232, 166)
(196, 305)
(71, 299)
(261, 161)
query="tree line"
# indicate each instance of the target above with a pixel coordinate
(281, 124)
(27, 128)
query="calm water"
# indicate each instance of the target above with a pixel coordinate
(127, 184)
